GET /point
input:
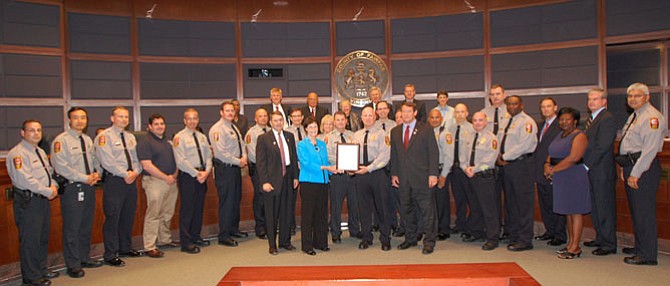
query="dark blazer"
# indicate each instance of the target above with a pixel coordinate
(420, 160)
(287, 111)
(599, 155)
(420, 110)
(242, 124)
(268, 161)
(320, 113)
(542, 149)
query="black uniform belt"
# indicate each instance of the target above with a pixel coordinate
(553, 161)
(524, 156)
(629, 159)
(27, 193)
(220, 163)
(200, 169)
(486, 173)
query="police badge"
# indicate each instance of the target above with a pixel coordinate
(356, 73)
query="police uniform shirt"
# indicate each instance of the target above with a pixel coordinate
(186, 152)
(110, 154)
(447, 115)
(379, 147)
(332, 139)
(645, 135)
(445, 145)
(465, 131)
(67, 156)
(386, 124)
(521, 137)
(486, 151)
(293, 129)
(225, 143)
(26, 170)
(503, 116)
(252, 138)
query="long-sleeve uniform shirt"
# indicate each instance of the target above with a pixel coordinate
(486, 151)
(445, 145)
(226, 144)
(332, 139)
(252, 138)
(186, 152)
(521, 137)
(645, 135)
(26, 170)
(67, 156)
(379, 147)
(503, 116)
(110, 154)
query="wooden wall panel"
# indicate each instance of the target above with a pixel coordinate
(116, 7)
(193, 10)
(345, 10)
(294, 11)
(406, 9)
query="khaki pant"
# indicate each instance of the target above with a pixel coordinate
(161, 200)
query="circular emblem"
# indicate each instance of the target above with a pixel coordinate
(356, 73)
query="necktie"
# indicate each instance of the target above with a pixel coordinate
(264, 130)
(299, 134)
(546, 126)
(405, 140)
(125, 151)
(283, 155)
(588, 123)
(384, 126)
(43, 165)
(276, 107)
(502, 144)
(495, 122)
(365, 149)
(197, 146)
(458, 134)
(342, 138)
(237, 134)
(626, 131)
(83, 153)
(472, 152)
(313, 113)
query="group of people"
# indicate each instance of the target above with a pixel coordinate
(409, 160)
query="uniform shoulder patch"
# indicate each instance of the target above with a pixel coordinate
(18, 162)
(216, 136)
(387, 140)
(494, 144)
(653, 122)
(57, 147)
(450, 139)
(529, 128)
(102, 141)
(248, 139)
(175, 142)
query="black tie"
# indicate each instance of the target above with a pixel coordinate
(365, 149)
(125, 151)
(264, 130)
(626, 131)
(43, 165)
(342, 138)
(83, 153)
(472, 153)
(458, 134)
(237, 134)
(384, 126)
(495, 122)
(299, 134)
(197, 146)
(588, 123)
(502, 144)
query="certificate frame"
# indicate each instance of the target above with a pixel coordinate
(347, 156)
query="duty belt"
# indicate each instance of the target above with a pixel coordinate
(629, 159)
(486, 173)
(524, 156)
(27, 193)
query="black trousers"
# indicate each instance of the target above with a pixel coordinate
(341, 186)
(373, 194)
(603, 211)
(520, 200)
(393, 209)
(78, 209)
(484, 188)
(192, 197)
(259, 210)
(278, 215)
(33, 220)
(229, 187)
(119, 202)
(465, 200)
(554, 223)
(642, 204)
(314, 216)
(443, 207)
(419, 201)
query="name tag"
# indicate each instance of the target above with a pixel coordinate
(80, 196)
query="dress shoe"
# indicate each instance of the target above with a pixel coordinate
(41, 282)
(386, 246)
(116, 262)
(288, 247)
(228, 242)
(75, 272)
(628, 250)
(51, 275)
(91, 264)
(398, 233)
(273, 251)
(363, 245)
(406, 245)
(262, 236)
(516, 247)
(636, 260)
(570, 255)
(556, 242)
(201, 242)
(309, 252)
(419, 237)
(427, 249)
(239, 234)
(191, 249)
(324, 249)
(337, 239)
(443, 236)
(169, 245)
(591, 243)
(470, 238)
(489, 246)
(154, 253)
(544, 236)
(131, 253)
(602, 252)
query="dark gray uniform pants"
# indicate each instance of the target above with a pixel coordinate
(642, 203)
(32, 217)
(77, 223)
(119, 202)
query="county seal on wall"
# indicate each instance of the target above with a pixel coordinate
(356, 73)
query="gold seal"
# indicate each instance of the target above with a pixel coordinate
(356, 73)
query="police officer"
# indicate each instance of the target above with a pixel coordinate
(641, 140)
(28, 167)
(445, 146)
(457, 179)
(383, 110)
(478, 158)
(229, 158)
(518, 142)
(72, 156)
(341, 185)
(261, 127)
(116, 152)
(371, 179)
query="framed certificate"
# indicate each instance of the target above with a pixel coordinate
(347, 157)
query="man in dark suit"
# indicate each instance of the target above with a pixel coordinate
(554, 224)
(240, 120)
(277, 167)
(410, 92)
(414, 171)
(276, 105)
(376, 97)
(599, 158)
(312, 109)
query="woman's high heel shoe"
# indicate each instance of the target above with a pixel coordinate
(570, 255)
(562, 250)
